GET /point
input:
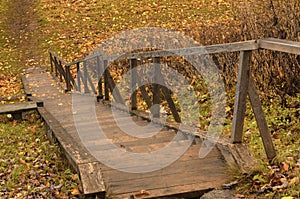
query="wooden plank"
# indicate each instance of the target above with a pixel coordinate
(213, 174)
(148, 161)
(188, 163)
(280, 45)
(261, 120)
(182, 191)
(74, 150)
(19, 107)
(91, 177)
(240, 97)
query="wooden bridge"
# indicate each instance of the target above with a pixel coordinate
(189, 176)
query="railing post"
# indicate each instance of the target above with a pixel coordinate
(60, 72)
(106, 86)
(133, 75)
(240, 97)
(100, 79)
(68, 78)
(51, 62)
(155, 109)
(78, 76)
(55, 65)
(85, 76)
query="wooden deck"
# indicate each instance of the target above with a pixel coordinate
(189, 176)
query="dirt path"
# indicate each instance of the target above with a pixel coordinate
(22, 26)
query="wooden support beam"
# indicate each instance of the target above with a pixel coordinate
(84, 78)
(240, 97)
(106, 86)
(261, 120)
(113, 89)
(51, 62)
(79, 77)
(144, 93)
(99, 78)
(133, 77)
(171, 104)
(155, 109)
(68, 78)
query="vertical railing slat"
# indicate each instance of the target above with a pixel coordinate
(78, 76)
(99, 77)
(155, 109)
(240, 97)
(68, 78)
(106, 89)
(133, 76)
(51, 62)
(84, 78)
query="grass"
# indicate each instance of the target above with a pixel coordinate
(30, 165)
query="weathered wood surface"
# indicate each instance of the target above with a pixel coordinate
(240, 97)
(189, 175)
(18, 107)
(280, 45)
(199, 50)
(261, 120)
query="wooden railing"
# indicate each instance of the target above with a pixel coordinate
(245, 84)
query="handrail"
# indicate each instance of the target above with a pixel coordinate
(279, 45)
(245, 83)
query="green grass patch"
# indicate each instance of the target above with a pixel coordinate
(30, 165)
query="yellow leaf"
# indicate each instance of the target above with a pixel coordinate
(287, 197)
(228, 108)
(75, 191)
(293, 181)
(75, 177)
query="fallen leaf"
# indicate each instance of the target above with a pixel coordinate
(293, 181)
(22, 161)
(75, 191)
(237, 195)
(142, 192)
(285, 166)
(74, 177)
